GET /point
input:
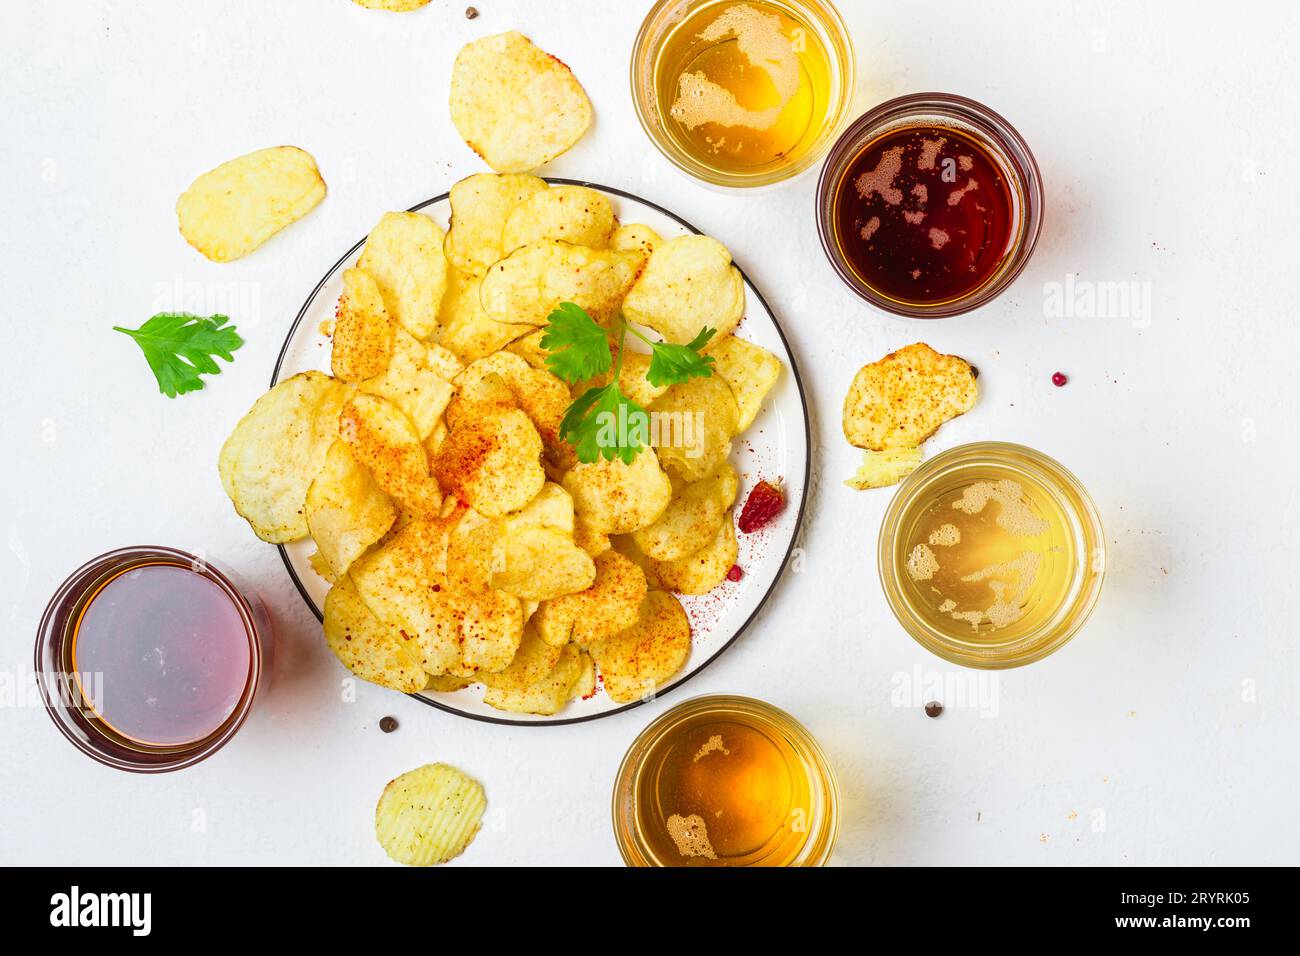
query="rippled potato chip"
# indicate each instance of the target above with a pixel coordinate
(693, 517)
(572, 214)
(363, 338)
(545, 696)
(384, 440)
(369, 648)
(635, 236)
(231, 210)
(468, 331)
(880, 469)
(688, 284)
(480, 206)
(270, 459)
(515, 105)
(429, 815)
(411, 385)
(533, 661)
(491, 457)
(749, 369)
(696, 573)
(528, 284)
(605, 608)
(542, 563)
(617, 498)
(901, 400)
(403, 253)
(346, 510)
(636, 662)
(696, 421)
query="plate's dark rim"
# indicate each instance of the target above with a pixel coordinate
(798, 521)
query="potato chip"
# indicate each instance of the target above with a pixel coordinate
(394, 6)
(533, 661)
(515, 105)
(403, 253)
(529, 348)
(901, 400)
(750, 370)
(585, 685)
(374, 651)
(231, 210)
(543, 563)
(384, 440)
(346, 510)
(688, 284)
(491, 457)
(635, 236)
(270, 459)
(411, 385)
(880, 469)
(605, 608)
(429, 815)
(552, 508)
(541, 396)
(321, 566)
(545, 696)
(617, 498)
(442, 362)
(589, 540)
(635, 663)
(693, 517)
(631, 379)
(695, 421)
(573, 214)
(447, 683)
(484, 627)
(363, 339)
(528, 284)
(468, 331)
(697, 573)
(480, 206)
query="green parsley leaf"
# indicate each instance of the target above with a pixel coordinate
(179, 347)
(671, 364)
(579, 347)
(604, 422)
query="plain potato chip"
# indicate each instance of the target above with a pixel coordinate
(491, 457)
(901, 400)
(363, 338)
(693, 517)
(384, 440)
(545, 696)
(480, 205)
(321, 566)
(403, 253)
(542, 563)
(416, 390)
(573, 214)
(605, 608)
(468, 331)
(697, 573)
(585, 685)
(429, 815)
(515, 105)
(880, 469)
(270, 459)
(346, 510)
(635, 236)
(696, 421)
(528, 284)
(533, 661)
(750, 370)
(231, 210)
(616, 498)
(447, 683)
(688, 284)
(374, 651)
(635, 663)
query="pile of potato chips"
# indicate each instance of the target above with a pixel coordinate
(464, 542)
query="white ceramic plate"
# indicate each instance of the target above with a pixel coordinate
(775, 446)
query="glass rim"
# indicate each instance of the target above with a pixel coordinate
(1039, 643)
(840, 54)
(824, 826)
(49, 674)
(991, 126)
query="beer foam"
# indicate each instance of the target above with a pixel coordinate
(1017, 516)
(921, 563)
(691, 836)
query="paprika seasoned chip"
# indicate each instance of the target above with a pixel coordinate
(363, 339)
(901, 400)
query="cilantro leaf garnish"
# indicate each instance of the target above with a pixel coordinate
(604, 421)
(179, 347)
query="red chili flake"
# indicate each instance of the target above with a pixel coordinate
(735, 574)
(765, 502)
(1059, 379)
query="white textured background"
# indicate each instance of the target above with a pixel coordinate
(1166, 733)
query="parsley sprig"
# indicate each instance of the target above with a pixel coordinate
(179, 347)
(604, 421)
